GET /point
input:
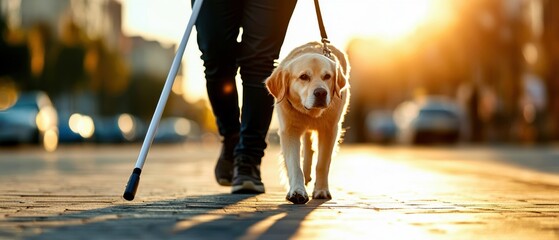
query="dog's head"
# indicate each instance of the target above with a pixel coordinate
(308, 82)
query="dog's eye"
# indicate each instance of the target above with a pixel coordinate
(305, 77)
(327, 77)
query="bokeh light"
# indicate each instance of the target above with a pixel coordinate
(46, 118)
(82, 125)
(127, 126)
(182, 127)
(8, 94)
(50, 140)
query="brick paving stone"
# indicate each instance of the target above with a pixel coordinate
(378, 192)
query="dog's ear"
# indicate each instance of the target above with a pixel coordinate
(342, 70)
(341, 80)
(277, 84)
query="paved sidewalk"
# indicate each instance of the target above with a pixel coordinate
(378, 193)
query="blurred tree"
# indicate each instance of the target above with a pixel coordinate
(480, 46)
(144, 94)
(40, 42)
(67, 72)
(3, 30)
(109, 77)
(14, 55)
(108, 69)
(551, 48)
(492, 40)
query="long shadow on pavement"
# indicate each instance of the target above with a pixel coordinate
(221, 216)
(282, 222)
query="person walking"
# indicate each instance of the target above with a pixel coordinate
(244, 35)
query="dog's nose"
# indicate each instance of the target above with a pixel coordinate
(320, 93)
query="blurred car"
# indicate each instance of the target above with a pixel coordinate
(118, 129)
(430, 120)
(381, 127)
(174, 129)
(75, 127)
(32, 119)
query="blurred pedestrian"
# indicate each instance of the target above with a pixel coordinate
(262, 25)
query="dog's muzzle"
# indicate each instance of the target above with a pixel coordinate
(320, 97)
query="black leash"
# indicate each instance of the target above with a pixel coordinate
(325, 50)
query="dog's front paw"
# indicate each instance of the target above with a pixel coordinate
(321, 194)
(297, 197)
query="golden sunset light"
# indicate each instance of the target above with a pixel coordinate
(388, 21)
(417, 119)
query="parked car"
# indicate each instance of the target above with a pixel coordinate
(75, 116)
(430, 120)
(32, 119)
(174, 129)
(118, 129)
(381, 127)
(75, 127)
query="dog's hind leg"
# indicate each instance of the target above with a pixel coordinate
(307, 156)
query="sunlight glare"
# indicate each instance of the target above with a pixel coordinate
(400, 176)
(391, 20)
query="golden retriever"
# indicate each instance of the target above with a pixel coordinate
(312, 95)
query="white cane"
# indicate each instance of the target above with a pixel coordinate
(134, 180)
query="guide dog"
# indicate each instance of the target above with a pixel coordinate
(311, 92)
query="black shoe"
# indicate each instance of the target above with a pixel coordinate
(246, 176)
(224, 166)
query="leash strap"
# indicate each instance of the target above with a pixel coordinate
(325, 50)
